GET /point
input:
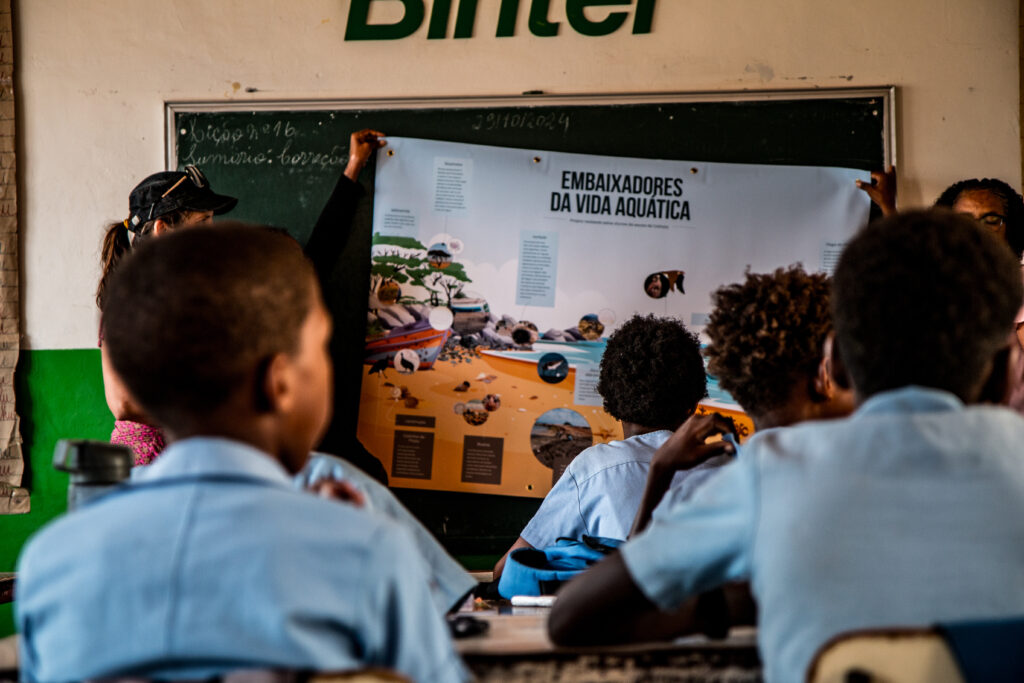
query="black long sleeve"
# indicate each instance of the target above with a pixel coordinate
(334, 226)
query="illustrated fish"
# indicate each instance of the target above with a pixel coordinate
(555, 365)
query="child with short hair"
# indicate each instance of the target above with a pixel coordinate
(910, 511)
(652, 377)
(210, 559)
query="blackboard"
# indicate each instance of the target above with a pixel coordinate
(281, 159)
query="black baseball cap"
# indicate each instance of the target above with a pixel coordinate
(168, 191)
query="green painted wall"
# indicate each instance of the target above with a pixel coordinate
(59, 396)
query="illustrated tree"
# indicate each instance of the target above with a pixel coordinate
(404, 260)
(451, 280)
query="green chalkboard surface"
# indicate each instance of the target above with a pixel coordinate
(282, 160)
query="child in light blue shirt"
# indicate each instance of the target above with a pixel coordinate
(211, 560)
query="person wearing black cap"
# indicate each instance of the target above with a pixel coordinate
(169, 200)
(161, 202)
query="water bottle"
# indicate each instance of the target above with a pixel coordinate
(95, 467)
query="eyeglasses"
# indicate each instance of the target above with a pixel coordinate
(993, 220)
(657, 285)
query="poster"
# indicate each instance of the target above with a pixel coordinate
(497, 275)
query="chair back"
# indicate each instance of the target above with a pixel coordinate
(885, 655)
(990, 651)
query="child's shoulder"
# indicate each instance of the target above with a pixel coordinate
(636, 450)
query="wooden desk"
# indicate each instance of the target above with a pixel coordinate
(517, 648)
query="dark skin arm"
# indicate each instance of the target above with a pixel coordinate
(882, 190)
(500, 566)
(683, 450)
(603, 606)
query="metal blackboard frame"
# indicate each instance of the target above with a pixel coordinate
(886, 95)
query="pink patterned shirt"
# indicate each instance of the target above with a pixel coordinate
(145, 440)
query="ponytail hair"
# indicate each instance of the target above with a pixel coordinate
(117, 244)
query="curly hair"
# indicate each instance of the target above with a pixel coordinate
(767, 335)
(1011, 199)
(652, 373)
(923, 298)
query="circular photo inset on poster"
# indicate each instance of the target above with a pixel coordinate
(525, 333)
(459, 408)
(657, 285)
(475, 413)
(677, 277)
(441, 318)
(558, 436)
(388, 292)
(439, 255)
(591, 327)
(407, 361)
(553, 368)
(492, 402)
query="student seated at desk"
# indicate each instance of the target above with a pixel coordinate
(210, 560)
(910, 511)
(652, 377)
(768, 348)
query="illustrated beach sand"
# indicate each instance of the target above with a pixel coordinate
(524, 398)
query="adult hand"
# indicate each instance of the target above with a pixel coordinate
(361, 145)
(882, 190)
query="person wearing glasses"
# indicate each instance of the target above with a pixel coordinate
(170, 200)
(992, 202)
(999, 208)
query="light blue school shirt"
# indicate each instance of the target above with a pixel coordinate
(600, 490)
(909, 512)
(212, 562)
(449, 582)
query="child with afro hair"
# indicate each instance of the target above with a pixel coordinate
(652, 377)
(769, 349)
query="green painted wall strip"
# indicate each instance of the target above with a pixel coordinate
(59, 396)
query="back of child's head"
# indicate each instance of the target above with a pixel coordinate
(652, 373)
(767, 335)
(192, 316)
(924, 298)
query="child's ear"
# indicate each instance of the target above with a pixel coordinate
(275, 384)
(822, 386)
(833, 362)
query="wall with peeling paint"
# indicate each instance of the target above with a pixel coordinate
(93, 77)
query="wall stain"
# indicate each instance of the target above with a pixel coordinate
(764, 72)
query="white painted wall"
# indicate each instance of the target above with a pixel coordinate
(93, 75)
